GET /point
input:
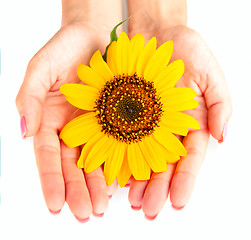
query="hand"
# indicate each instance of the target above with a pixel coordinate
(45, 112)
(204, 75)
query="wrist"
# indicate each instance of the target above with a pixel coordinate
(155, 13)
(99, 14)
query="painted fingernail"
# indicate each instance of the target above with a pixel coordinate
(99, 215)
(224, 133)
(109, 196)
(55, 212)
(177, 208)
(82, 220)
(150, 218)
(23, 127)
(136, 208)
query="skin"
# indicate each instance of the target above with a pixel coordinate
(46, 111)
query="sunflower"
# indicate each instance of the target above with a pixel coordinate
(134, 110)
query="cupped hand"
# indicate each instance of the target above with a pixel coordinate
(45, 111)
(204, 75)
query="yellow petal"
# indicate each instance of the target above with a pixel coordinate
(136, 46)
(99, 153)
(80, 96)
(170, 157)
(183, 131)
(124, 173)
(112, 58)
(122, 54)
(158, 61)
(169, 76)
(183, 106)
(178, 99)
(113, 163)
(179, 92)
(100, 66)
(87, 148)
(145, 55)
(178, 122)
(138, 165)
(79, 130)
(169, 141)
(90, 77)
(153, 154)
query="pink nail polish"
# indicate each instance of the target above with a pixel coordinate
(150, 218)
(177, 208)
(23, 127)
(224, 133)
(135, 208)
(82, 220)
(109, 196)
(55, 212)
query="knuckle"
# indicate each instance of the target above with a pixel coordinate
(195, 153)
(73, 182)
(35, 61)
(32, 64)
(17, 102)
(48, 149)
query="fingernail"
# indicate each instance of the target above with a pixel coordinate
(82, 220)
(136, 208)
(99, 215)
(177, 208)
(55, 212)
(150, 218)
(23, 127)
(109, 196)
(224, 133)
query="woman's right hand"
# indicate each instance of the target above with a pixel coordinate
(44, 112)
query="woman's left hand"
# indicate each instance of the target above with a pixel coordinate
(204, 75)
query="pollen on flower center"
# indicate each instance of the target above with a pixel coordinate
(128, 108)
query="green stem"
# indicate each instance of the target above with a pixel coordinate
(113, 37)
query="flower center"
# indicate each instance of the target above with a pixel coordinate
(128, 108)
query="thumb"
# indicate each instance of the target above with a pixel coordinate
(218, 101)
(32, 94)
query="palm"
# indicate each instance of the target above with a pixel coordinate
(72, 45)
(189, 47)
(69, 47)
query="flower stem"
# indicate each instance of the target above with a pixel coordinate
(113, 37)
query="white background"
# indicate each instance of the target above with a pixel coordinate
(220, 207)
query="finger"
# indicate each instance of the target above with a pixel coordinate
(156, 192)
(98, 191)
(31, 96)
(77, 195)
(111, 189)
(218, 101)
(188, 167)
(136, 193)
(47, 152)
